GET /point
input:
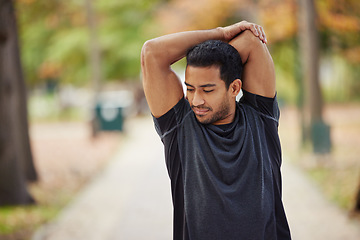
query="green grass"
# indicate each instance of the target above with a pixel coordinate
(338, 185)
(14, 219)
(20, 222)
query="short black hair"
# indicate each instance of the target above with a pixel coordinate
(217, 53)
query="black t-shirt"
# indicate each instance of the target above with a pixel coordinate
(225, 180)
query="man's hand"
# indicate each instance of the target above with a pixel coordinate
(230, 32)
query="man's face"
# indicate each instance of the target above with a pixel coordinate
(211, 102)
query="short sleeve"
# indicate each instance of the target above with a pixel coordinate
(169, 121)
(264, 105)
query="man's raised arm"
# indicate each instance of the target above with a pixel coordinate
(162, 86)
(259, 73)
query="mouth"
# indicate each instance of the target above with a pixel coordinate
(200, 111)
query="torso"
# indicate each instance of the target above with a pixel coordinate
(226, 181)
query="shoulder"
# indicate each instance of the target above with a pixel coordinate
(265, 106)
(172, 118)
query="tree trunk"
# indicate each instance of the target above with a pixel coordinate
(315, 129)
(310, 59)
(16, 163)
(94, 60)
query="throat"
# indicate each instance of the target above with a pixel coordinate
(226, 119)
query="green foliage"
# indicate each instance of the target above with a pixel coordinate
(121, 31)
(69, 49)
(285, 59)
(54, 38)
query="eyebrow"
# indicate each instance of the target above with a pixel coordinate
(203, 86)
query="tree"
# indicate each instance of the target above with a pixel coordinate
(313, 103)
(55, 35)
(16, 163)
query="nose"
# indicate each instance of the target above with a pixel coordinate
(198, 100)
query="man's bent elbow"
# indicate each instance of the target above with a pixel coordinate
(151, 47)
(150, 53)
(145, 52)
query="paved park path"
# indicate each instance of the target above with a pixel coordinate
(130, 200)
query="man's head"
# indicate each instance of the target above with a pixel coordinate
(213, 81)
(217, 53)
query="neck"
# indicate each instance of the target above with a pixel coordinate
(229, 118)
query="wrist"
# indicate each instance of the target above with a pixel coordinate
(220, 32)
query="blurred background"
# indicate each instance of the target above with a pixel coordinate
(70, 79)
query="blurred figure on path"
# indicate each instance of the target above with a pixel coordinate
(223, 156)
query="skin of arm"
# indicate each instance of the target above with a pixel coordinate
(162, 87)
(259, 73)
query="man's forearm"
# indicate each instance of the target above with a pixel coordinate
(171, 48)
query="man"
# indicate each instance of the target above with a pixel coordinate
(223, 157)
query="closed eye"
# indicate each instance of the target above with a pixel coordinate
(208, 91)
(189, 89)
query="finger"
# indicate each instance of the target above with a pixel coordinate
(254, 30)
(262, 32)
(261, 36)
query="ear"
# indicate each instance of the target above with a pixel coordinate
(235, 87)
